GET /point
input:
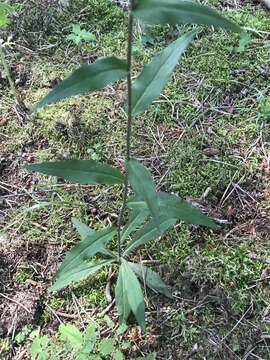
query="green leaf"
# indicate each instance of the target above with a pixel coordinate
(149, 232)
(137, 217)
(82, 228)
(136, 203)
(134, 294)
(39, 347)
(106, 347)
(245, 39)
(35, 347)
(5, 9)
(155, 75)
(89, 341)
(85, 231)
(76, 29)
(77, 40)
(173, 207)
(181, 12)
(43, 356)
(74, 267)
(121, 329)
(118, 355)
(80, 171)
(72, 37)
(129, 295)
(87, 248)
(78, 273)
(109, 322)
(141, 182)
(90, 333)
(125, 345)
(87, 78)
(87, 36)
(71, 334)
(121, 299)
(151, 279)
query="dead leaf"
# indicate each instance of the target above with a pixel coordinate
(2, 120)
(265, 274)
(210, 151)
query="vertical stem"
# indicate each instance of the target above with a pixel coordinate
(129, 83)
(7, 71)
(129, 123)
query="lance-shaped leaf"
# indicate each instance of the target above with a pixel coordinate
(77, 273)
(155, 75)
(129, 295)
(85, 231)
(181, 12)
(173, 207)
(151, 279)
(137, 217)
(149, 232)
(80, 171)
(86, 79)
(136, 203)
(85, 249)
(121, 299)
(142, 183)
(82, 228)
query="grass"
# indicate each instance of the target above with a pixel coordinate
(218, 99)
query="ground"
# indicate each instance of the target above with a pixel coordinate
(206, 139)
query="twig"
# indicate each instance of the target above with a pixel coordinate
(244, 191)
(206, 193)
(107, 309)
(236, 325)
(26, 193)
(54, 312)
(77, 308)
(16, 302)
(108, 286)
(150, 262)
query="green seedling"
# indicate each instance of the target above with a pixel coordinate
(78, 35)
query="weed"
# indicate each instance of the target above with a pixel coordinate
(78, 35)
(163, 209)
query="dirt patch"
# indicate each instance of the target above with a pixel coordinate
(25, 270)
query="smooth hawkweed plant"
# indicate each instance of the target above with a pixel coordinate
(151, 213)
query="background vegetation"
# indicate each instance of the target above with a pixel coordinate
(206, 138)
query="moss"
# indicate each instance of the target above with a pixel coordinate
(234, 266)
(222, 93)
(23, 275)
(174, 248)
(5, 346)
(91, 291)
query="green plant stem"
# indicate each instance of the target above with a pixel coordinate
(129, 124)
(7, 71)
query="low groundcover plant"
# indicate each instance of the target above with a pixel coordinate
(151, 213)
